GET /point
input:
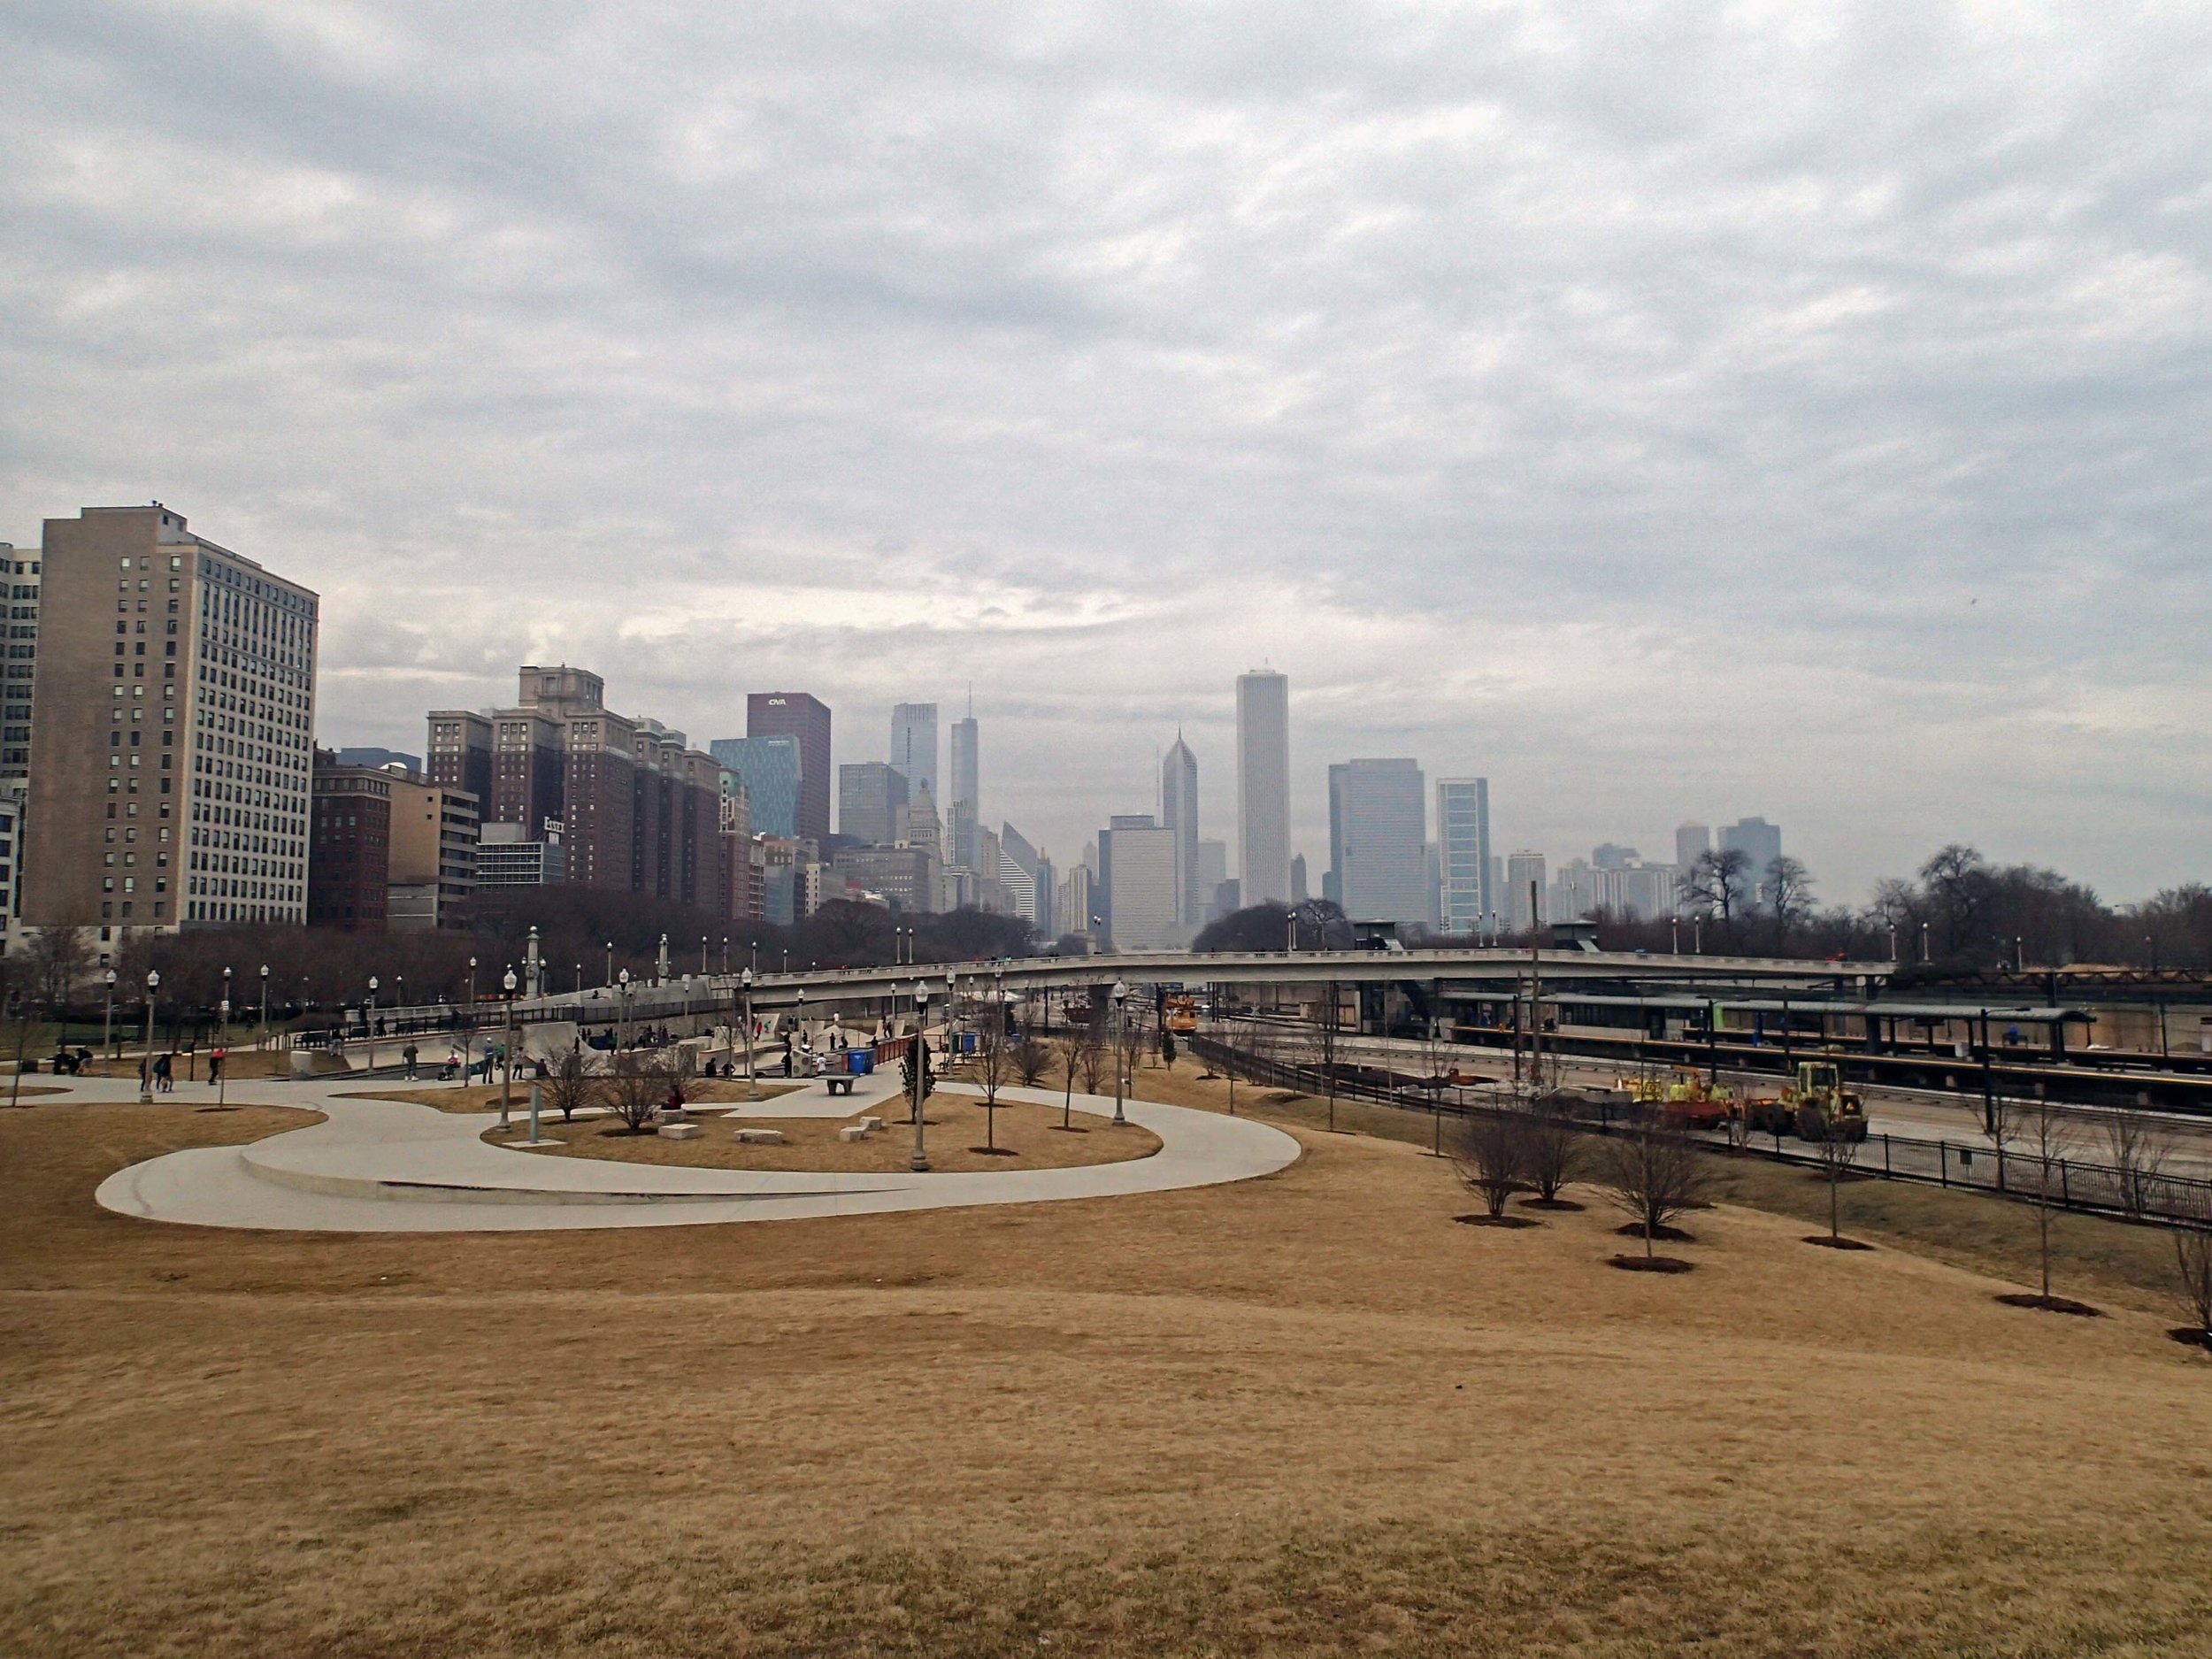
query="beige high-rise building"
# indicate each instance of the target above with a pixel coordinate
(172, 730)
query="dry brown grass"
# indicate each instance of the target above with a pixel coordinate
(1299, 1415)
(1029, 1137)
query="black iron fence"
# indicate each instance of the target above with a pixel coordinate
(2142, 1193)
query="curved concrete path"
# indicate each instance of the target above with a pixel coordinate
(388, 1166)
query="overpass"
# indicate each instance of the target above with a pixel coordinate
(824, 988)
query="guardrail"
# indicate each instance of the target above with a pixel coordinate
(2065, 1183)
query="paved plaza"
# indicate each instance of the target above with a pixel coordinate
(390, 1166)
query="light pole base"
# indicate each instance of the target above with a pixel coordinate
(919, 1164)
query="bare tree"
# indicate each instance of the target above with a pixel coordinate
(2192, 1262)
(1327, 1040)
(1718, 882)
(1789, 893)
(22, 1026)
(640, 1086)
(1652, 1174)
(59, 961)
(1032, 1059)
(571, 1087)
(2139, 1150)
(1492, 1157)
(1090, 1056)
(2044, 1133)
(993, 1066)
(1838, 1153)
(1555, 1147)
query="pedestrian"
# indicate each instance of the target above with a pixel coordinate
(164, 1073)
(145, 1073)
(407, 1057)
(214, 1066)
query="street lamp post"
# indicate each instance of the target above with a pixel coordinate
(146, 1070)
(622, 1012)
(264, 1037)
(919, 1163)
(611, 962)
(1121, 1018)
(752, 1081)
(368, 1021)
(223, 1035)
(702, 956)
(222, 1078)
(507, 1070)
(107, 1021)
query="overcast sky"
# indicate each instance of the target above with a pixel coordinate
(1667, 410)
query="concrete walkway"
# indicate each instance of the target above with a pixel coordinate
(388, 1166)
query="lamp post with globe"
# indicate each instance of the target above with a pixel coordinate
(107, 1023)
(1121, 1023)
(918, 1061)
(264, 1036)
(146, 1070)
(752, 1083)
(507, 1070)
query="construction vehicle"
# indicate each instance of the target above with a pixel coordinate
(1684, 1100)
(1812, 1106)
(1182, 1013)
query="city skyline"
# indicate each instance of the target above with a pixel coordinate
(1839, 471)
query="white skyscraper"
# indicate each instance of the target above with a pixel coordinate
(914, 746)
(1178, 811)
(1463, 844)
(1264, 786)
(1524, 870)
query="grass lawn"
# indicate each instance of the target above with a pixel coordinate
(1301, 1415)
(1028, 1138)
(482, 1097)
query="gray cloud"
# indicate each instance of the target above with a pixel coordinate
(1669, 411)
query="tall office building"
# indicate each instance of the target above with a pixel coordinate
(1264, 786)
(20, 573)
(1525, 906)
(914, 746)
(1137, 871)
(1178, 811)
(871, 802)
(1025, 875)
(634, 807)
(773, 773)
(1213, 870)
(1463, 851)
(966, 807)
(806, 718)
(1298, 891)
(1377, 840)
(1692, 842)
(1759, 841)
(170, 780)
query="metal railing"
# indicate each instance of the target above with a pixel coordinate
(2066, 1183)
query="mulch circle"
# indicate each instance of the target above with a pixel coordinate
(1066, 1129)
(1516, 1222)
(1660, 1236)
(1652, 1263)
(1561, 1206)
(1827, 1243)
(994, 1152)
(2191, 1336)
(2050, 1305)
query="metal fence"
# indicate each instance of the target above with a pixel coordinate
(2069, 1183)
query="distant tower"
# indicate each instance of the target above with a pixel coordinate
(1264, 786)
(1298, 893)
(1522, 870)
(967, 795)
(1178, 811)
(1463, 851)
(914, 745)
(1692, 843)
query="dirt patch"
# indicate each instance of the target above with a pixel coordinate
(1554, 1206)
(1496, 1221)
(2050, 1305)
(1025, 1138)
(2191, 1336)
(1659, 1235)
(480, 1097)
(1827, 1243)
(1652, 1263)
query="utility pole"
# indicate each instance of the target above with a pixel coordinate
(1535, 996)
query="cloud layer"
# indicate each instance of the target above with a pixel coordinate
(1667, 410)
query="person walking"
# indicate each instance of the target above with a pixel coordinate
(215, 1057)
(164, 1073)
(407, 1057)
(145, 1071)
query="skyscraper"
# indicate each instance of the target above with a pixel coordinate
(966, 808)
(773, 774)
(1377, 840)
(1178, 811)
(189, 798)
(1264, 786)
(1137, 856)
(1462, 850)
(870, 802)
(1524, 871)
(914, 745)
(806, 718)
(1692, 842)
